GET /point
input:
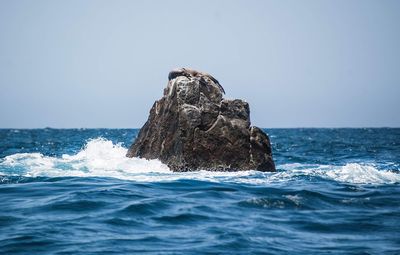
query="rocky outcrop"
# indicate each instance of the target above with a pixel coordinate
(192, 127)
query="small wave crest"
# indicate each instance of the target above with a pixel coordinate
(353, 173)
(360, 174)
(102, 158)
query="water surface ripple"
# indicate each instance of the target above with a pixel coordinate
(336, 191)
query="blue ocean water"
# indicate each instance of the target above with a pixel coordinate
(336, 191)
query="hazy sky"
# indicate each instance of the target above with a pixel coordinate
(103, 63)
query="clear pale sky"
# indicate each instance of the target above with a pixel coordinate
(103, 63)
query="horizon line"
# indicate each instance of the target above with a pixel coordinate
(299, 127)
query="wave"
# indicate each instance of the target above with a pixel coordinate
(99, 158)
(102, 158)
(354, 173)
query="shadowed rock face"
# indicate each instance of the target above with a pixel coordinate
(192, 127)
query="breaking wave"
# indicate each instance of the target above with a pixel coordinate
(102, 158)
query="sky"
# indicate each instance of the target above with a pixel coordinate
(102, 64)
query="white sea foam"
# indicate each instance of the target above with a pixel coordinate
(99, 158)
(361, 174)
(350, 173)
(102, 158)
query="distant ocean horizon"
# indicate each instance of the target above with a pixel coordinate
(72, 190)
(264, 128)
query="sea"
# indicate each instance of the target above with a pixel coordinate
(73, 191)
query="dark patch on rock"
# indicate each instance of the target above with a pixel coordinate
(192, 127)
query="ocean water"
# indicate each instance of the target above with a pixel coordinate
(336, 191)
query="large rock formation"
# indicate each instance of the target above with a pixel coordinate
(192, 127)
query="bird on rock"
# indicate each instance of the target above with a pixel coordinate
(204, 78)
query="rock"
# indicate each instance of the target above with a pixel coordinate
(192, 127)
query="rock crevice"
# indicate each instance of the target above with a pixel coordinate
(192, 127)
